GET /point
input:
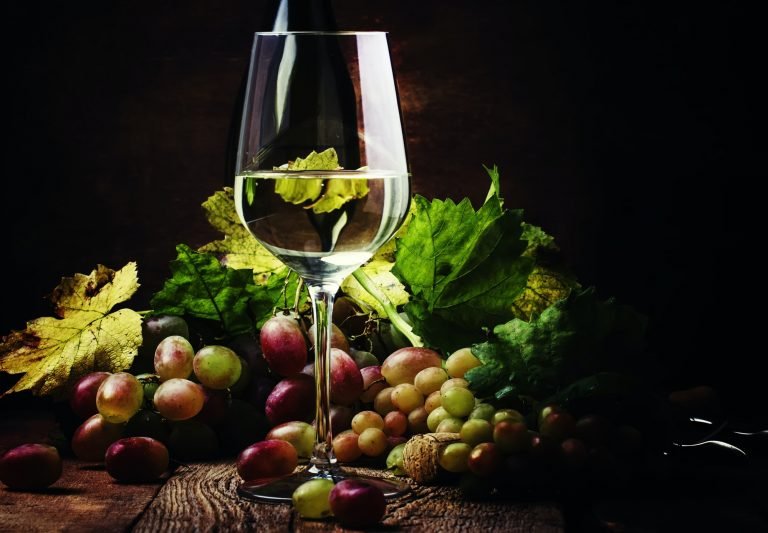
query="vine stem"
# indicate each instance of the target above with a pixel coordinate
(389, 309)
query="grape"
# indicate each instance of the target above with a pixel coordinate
(433, 401)
(338, 339)
(485, 459)
(267, 459)
(449, 425)
(173, 358)
(243, 425)
(366, 419)
(247, 346)
(395, 460)
(146, 423)
(403, 365)
(215, 405)
(574, 453)
(299, 434)
(373, 383)
(341, 418)
(417, 421)
(362, 358)
(511, 437)
(283, 345)
(217, 367)
(136, 459)
(482, 411)
(350, 318)
(382, 404)
(149, 384)
(357, 504)
(179, 399)
(119, 397)
(260, 390)
(30, 467)
(430, 379)
(242, 383)
(458, 401)
(345, 447)
(593, 430)
(372, 442)
(545, 411)
(460, 361)
(453, 383)
(83, 399)
(346, 379)
(310, 499)
(395, 423)
(154, 330)
(93, 437)
(291, 399)
(507, 414)
(475, 431)
(455, 457)
(558, 426)
(192, 440)
(435, 417)
(406, 397)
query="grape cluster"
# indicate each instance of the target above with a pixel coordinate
(187, 409)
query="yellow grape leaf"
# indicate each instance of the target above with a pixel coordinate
(83, 337)
(544, 287)
(238, 248)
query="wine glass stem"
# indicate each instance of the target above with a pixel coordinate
(322, 295)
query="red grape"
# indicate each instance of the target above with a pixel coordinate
(83, 399)
(93, 437)
(291, 399)
(283, 345)
(136, 459)
(30, 467)
(267, 459)
(357, 504)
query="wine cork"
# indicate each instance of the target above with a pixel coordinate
(421, 454)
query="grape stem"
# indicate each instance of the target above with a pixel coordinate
(389, 309)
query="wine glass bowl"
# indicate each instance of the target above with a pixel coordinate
(321, 181)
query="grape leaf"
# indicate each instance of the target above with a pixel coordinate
(84, 336)
(238, 249)
(464, 268)
(577, 336)
(202, 288)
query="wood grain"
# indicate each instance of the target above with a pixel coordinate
(202, 497)
(85, 499)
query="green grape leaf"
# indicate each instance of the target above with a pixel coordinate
(464, 268)
(201, 287)
(574, 338)
(84, 336)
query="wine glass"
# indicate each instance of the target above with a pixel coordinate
(322, 182)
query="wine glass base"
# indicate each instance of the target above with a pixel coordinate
(280, 490)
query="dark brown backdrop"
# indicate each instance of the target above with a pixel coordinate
(629, 133)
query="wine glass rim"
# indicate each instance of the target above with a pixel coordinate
(333, 33)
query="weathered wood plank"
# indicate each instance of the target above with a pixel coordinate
(84, 499)
(202, 497)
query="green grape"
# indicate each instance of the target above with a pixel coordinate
(310, 499)
(179, 399)
(406, 397)
(395, 460)
(150, 383)
(449, 425)
(372, 442)
(217, 367)
(475, 431)
(435, 417)
(460, 361)
(454, 457)
(454, 382)
(510, 415)
(430, 379)
(458, 401)
(119, 397)
(433, 401)
(367, 419)
(482, 411)
(173, 358)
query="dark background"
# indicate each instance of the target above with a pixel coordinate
(629, 132)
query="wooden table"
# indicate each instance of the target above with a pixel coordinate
(201, 497)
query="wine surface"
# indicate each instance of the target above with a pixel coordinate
(322, 224)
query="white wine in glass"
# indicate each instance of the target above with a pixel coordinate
(322, 182)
